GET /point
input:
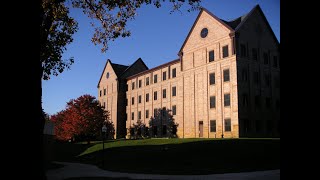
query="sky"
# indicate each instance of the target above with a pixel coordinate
(156, 37)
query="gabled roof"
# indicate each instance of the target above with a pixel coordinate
(248, 15)
(194, 24)
(139, 59)
(232, 25)
(118, 69)
(235, 23)
(257, 7)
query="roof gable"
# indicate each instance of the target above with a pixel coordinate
(235, 22)
(260, 12)
(108, 61)
(132, 68)
(200, 15)
(118, 69)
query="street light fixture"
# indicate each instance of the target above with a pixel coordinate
(104, 131)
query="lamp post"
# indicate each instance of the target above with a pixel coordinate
(104, 131)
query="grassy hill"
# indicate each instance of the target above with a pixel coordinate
(177, 156)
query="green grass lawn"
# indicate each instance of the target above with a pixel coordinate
(178, 156)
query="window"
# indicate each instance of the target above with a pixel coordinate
(140, 82)
(212, 125)
(126, 102)
(268, 102)
(139, 99)
(164, 93)
(163, 111)
(256, 77)
(147, 81)
(227, 125)
(211, 56)
(244, 75)
(267, 80)
(154, 112)
(174, 72)
(155, 78)
(139, 115)
(226, 76)
(100, 93)
(147, 97)
(107, 75)
(174, 91)
(244, 100)
(243, 50)
(132, 85)
(132, 116)
(254, 54)
(227, 100)
(104, 92)
(204, 32)
(246, 125)
(212, 101)
(257, 101)
(132, 100)
(147, 113)
(104, 104)
(174, 110)
(275, 61)
(155, 95)
(225, 52)
(164, 75)
(211, 78)
(265, 58)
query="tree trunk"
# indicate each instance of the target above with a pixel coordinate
(41, 122)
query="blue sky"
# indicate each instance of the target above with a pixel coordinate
(156, 37)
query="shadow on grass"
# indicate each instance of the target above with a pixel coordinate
(68, 152)
(200, 157)
(96, 178)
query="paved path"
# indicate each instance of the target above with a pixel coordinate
(86, 170)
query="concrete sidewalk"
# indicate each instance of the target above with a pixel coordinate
(85, 170)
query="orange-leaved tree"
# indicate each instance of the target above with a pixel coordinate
(82, 119)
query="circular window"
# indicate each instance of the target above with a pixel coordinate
(107, 75)
(204, 32)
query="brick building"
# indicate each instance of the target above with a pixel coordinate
(225, 82)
